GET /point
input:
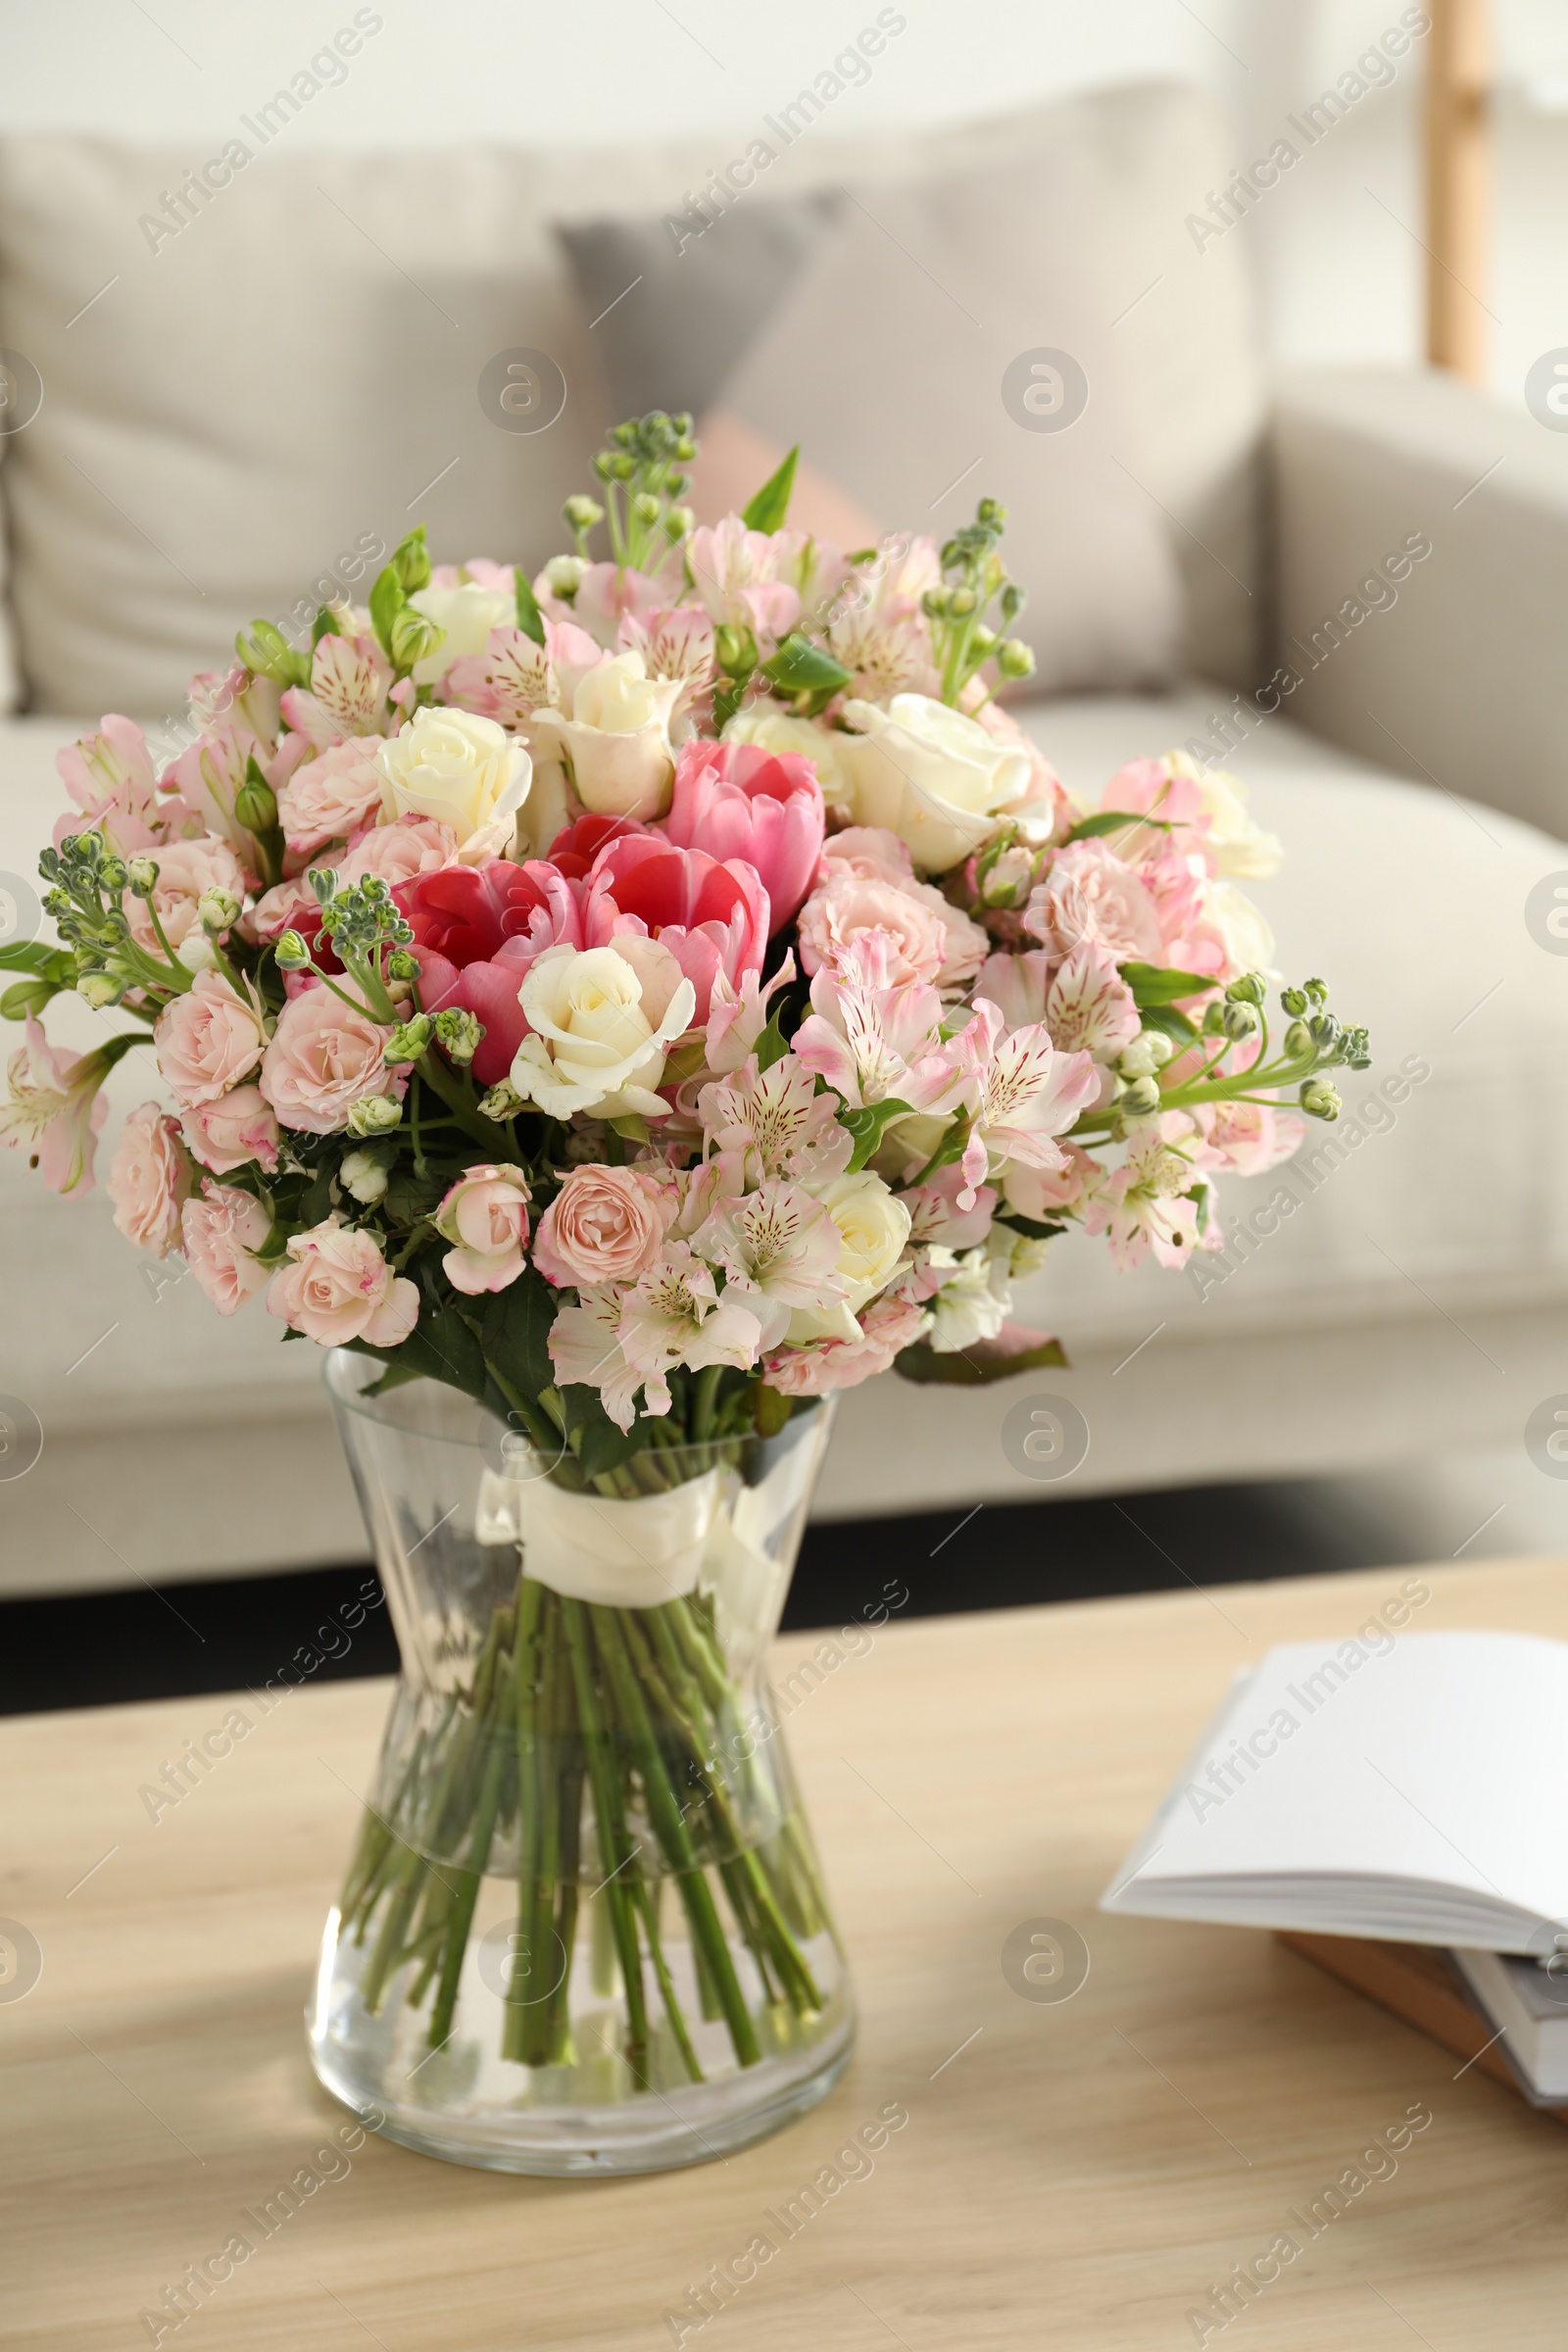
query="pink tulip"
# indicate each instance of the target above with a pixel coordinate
(711, 915)
(736, 800)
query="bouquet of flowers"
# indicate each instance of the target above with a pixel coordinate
(648, 997)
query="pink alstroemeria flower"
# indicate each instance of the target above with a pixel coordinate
(54, 1108)
(109, 776)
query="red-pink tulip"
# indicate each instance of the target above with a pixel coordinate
(477, 930)
(736, 800)
(712, 914)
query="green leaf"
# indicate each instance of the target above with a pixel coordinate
(531, 621)
(388, 600)
(767, 510)
(1153, 983)
(1170, 1023)
(37, 956)
(1029, 1227)
(326, 624)
(801, 668)
(600, 1444)
(515, 1334)
(769, 1410)
(867, 1128)
(773, 1044)
(27, 995)
(976, 1367)
(1115, 821)
(440, 1347)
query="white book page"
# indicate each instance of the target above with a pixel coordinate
(1444, 1758)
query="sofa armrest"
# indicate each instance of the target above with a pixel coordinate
(1448, 663)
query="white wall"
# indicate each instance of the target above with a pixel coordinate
(1336, 243)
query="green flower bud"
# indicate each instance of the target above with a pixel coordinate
(267, 654)
(680, 522)
(411, 637)
(291, 955)
(363, 1175)
(734, 650)
(217, 911)
(142, 875)
(100, 989)
(1248, 988)
(460, 1034)
(581, 513)
(1299, 1041)
(1240, 1020)
(1319, 1100)
(324, 881)
(376, 1114)
(1139, 1098)
(646, 508)
(502, 1101)
(401, 965)
(961, 603)
(114, 873)
(1014, 658)
(1295, 1000)
(256, 804)
(410, 1038)
(411, 560)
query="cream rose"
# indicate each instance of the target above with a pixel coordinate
(340, 1288)
(1249, 940)
(616, 744)
(600, 1022)
(467, 614)
(935, 779)
(210, 1039)
(776, 731)
(460, 770)
(223, 1230)
(873, 1231)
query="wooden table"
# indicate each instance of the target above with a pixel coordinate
(1079, 2173)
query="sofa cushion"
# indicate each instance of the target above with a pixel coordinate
(259, 397)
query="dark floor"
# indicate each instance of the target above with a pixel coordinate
(82, 1651)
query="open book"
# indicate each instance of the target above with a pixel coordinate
(1414, 1789)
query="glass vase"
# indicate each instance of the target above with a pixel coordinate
(583, 1927)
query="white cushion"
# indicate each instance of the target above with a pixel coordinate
(274, 387)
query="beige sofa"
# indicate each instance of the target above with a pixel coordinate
(1409, 1301)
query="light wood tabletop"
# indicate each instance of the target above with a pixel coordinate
(1079, 2172)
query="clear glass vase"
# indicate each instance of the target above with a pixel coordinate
(583, 1928)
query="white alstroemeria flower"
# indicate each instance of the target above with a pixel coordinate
(780, 1250)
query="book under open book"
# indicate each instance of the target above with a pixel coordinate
(1413, 1787)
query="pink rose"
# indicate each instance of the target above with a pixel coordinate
(736, 800)
(340, 1288)
(1090, 896)
(485, 1217)
(870, 851)
(329, 797)
(604, 1225)
(289, 905)
(326, 1055)
(185, 870)
(237, 1128)
(929, 938)
(210, 1039)
(149, 1179)
(399, 851)
(223, 1230)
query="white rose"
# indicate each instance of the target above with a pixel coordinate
(1249, 940)
(777, 732)
(467, 614)
(463, 771)
(873, 1228)
(1241, 849)
(929, 774)
(616, 744)
(600, 1022)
